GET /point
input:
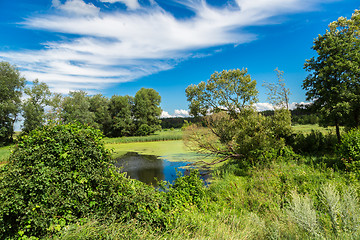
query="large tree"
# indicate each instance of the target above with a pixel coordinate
(147, 111)
(234, 129)
(11, 85)
(33, 108)
(334, 80)
(227, 91)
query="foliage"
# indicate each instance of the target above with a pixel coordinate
(187, 191)
(349, 150)
(147, 111)
(55, 108)
(99, 105)
(61, 173)
(76, 107)
(333, 84)
(315, 143)
(229, 91)
(121, 114)
(33, 109)
(11, 85)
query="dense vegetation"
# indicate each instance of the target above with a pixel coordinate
(61, 175)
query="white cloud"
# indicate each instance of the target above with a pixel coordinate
(177, 113)
(165, 114)
(121, 46)
(293, 104)
(181, 113)
(264, 106)
(77, 7)
(130, 4)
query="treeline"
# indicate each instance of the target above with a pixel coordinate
(299, 115)
(115, 117)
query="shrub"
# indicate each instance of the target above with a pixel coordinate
(144, 130)
(349, 150)
(187, 191)
(61, 173)
(315, 143)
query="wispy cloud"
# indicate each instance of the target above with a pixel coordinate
(117, 46)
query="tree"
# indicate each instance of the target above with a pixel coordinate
(333, 84)
(56, 108)
(34, 107)
(147, 111)
(278, 93)
(227, 91)
(76, 107)
(11, 85)
(99, 105)
(234, 129)
(120, 110)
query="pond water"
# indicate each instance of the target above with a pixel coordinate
(148, 168)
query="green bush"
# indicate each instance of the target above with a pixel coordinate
(315, 143)
(187, 191)
(144, 130)
(349, 150)
(61, 173)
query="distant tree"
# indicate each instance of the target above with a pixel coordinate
(147, 111)
(121, 115)
(278, 94)
(76, 107)
(33, 109)
(11, 86)
(333, 84)
(56, 108)
(227, 91)
(99, 105)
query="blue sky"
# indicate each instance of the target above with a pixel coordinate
(118, 46)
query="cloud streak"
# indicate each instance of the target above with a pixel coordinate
(109, 47)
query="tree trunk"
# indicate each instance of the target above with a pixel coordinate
(338, 131)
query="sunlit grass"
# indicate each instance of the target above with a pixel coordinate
(4, 155)
(158, 136)
(307, 128)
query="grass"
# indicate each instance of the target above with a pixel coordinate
(4, 154)
(163, 135)
(306, 129)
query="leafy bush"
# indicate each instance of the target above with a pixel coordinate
(187, 191)
(315, 143)
(349, 150)
(144, 130)
(61, 173)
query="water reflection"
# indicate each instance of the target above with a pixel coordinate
(148, 168)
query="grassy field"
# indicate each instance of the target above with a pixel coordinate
(163, 135)
(306, 129)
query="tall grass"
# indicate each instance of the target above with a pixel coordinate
(158, 136)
